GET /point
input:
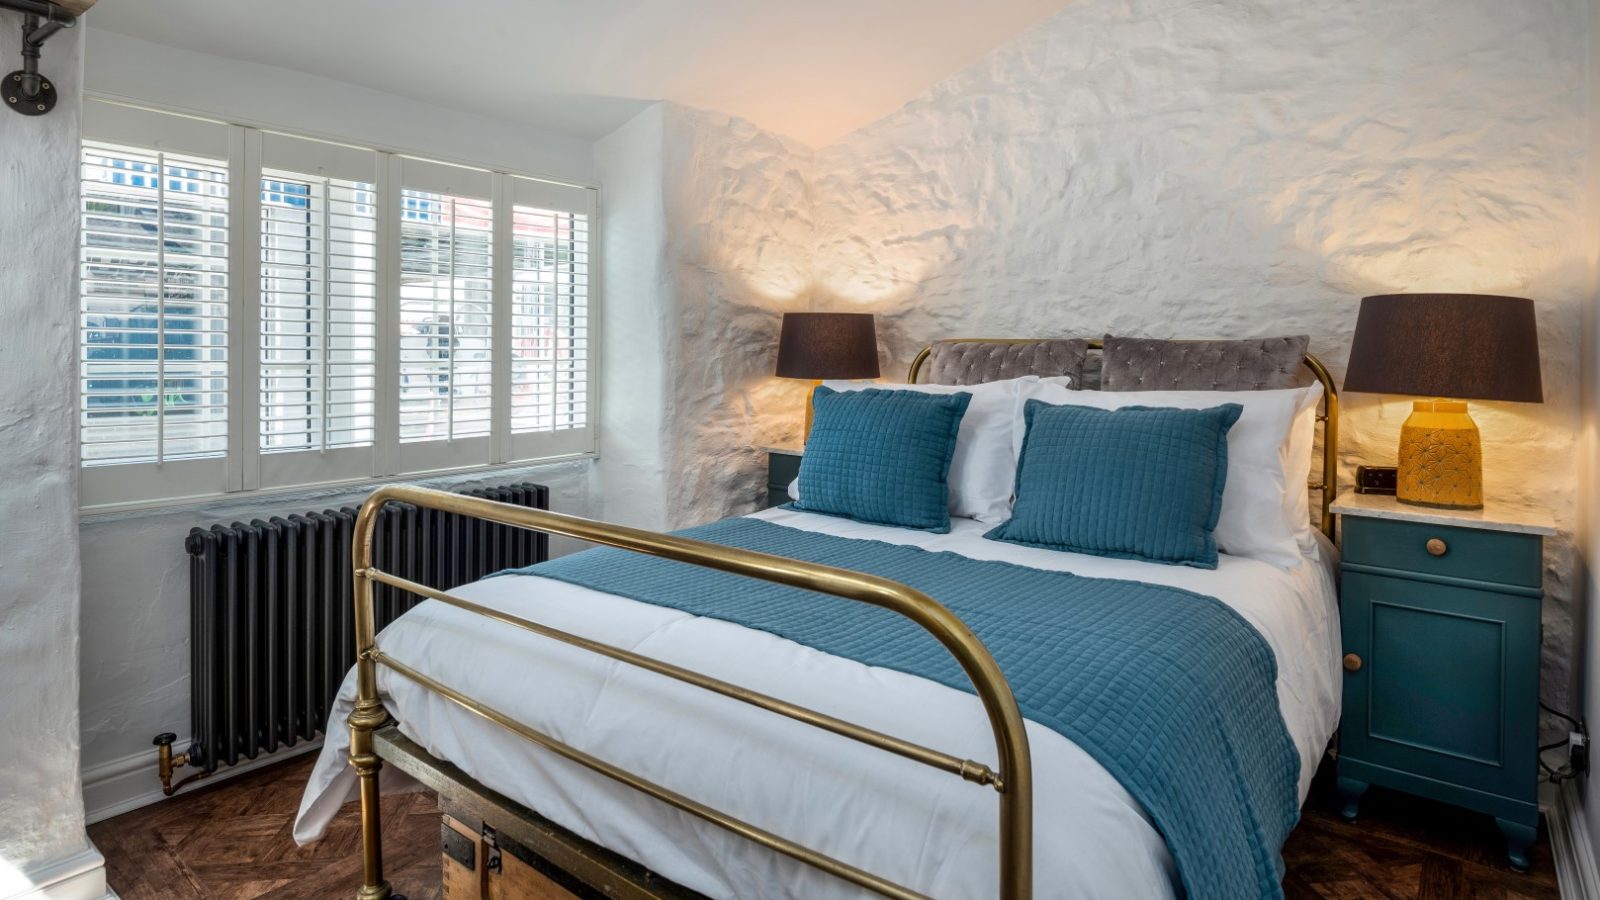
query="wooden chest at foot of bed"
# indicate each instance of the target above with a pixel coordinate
(479, 864)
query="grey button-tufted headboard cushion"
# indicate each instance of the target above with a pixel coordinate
(977, 362)
(1142, 364)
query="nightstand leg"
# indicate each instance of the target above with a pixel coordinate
(1351, 790)
(1518, 838)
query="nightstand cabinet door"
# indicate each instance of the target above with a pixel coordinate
(782, 468)
(1447, 689)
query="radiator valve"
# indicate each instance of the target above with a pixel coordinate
(169, 761)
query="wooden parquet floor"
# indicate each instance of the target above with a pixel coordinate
(232, 841)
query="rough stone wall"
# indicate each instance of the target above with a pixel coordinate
(41, 806)
(739, 251)
(1166, 168)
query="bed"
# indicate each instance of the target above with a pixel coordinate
(794, 804)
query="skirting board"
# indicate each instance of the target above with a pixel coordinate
(1571, 846)
(126, 784)
(81, 876)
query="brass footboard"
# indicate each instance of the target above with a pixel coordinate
(1013, 782)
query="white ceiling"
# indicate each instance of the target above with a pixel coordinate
(813, 70)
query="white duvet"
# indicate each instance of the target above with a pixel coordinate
(925, 829)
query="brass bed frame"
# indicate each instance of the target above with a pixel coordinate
(371, 731)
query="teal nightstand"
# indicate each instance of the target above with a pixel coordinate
(1440, 615)
(783, 466)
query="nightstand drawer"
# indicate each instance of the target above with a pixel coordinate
(1498, 557)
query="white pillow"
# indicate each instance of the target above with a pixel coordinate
(983, 469)
(1265, 513)
(1297, 470)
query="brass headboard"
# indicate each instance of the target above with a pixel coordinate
(1329, 416)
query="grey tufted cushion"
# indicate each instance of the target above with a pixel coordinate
(977, 362)
(1142, 364)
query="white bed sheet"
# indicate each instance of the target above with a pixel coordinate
(922, 828)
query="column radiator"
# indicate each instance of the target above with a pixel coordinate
(271, 628)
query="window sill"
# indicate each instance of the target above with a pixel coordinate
(328, 493)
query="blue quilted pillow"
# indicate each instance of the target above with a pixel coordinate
(1138, 482)
(881, 456)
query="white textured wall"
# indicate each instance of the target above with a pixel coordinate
(708, 237)
(41, 807)
(1589, 445)
(1170, 168)
(739, 252)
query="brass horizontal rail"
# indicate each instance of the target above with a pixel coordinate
(968, 769)
(717, 817)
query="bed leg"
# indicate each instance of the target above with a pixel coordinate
(363, 720)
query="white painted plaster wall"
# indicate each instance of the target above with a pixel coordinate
(136, 70)
(738, 251)
(708, 238)
(630, 479)
(1170, 168)
(42, 838)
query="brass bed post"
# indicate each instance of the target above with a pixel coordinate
(369, 713)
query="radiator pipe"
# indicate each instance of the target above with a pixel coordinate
(168, 762)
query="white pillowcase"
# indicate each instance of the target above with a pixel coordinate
(983, 469)
(1265, 512)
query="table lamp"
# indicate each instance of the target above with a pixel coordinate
(1452, 347)
(814, 346)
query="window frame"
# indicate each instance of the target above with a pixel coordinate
(245, 469)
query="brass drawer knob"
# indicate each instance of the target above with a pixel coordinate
(1352, 662)
(1437, 547)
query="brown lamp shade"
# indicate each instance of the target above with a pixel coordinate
(828, 345)
(1460, 346)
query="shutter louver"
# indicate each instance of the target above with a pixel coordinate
(154, 303)
(318, 313)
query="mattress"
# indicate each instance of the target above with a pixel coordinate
(925, 829)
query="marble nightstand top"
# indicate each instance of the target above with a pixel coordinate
(1494, 517)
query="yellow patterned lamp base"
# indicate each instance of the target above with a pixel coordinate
(1441, 459)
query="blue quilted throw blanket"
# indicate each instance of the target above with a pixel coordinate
(1171, 691)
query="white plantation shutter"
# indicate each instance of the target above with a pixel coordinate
(446, 299)
(318, 313)
(550, 322)
(261, 310)
(155, 305)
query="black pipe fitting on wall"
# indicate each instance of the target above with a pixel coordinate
(25, 90)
